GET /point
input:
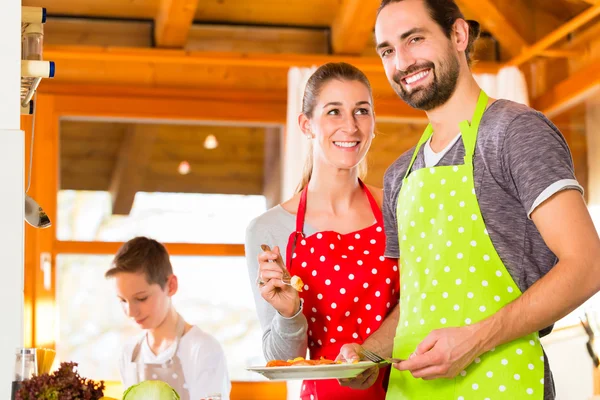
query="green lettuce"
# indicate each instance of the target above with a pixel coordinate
(151, 390)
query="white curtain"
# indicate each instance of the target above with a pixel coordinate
(295, 145)
(509, 84)
(295, 151)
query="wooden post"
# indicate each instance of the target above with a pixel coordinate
(593, 150)
(272, 166)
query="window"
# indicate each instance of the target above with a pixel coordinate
(166, 217)
(214, 294)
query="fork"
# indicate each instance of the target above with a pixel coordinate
(377, 359)
(286, 278)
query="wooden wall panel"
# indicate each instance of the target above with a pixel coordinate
(133, 9)
(270, 12)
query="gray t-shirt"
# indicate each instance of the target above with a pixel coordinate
(283, 338)
(521, 159)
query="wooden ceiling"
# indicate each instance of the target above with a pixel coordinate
(124, 158)
(240, 52)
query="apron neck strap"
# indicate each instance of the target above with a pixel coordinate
(303, 200)
(179, 329)
(468, 131)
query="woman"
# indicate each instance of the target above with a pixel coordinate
(331, 235)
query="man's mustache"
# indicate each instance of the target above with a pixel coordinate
(399, 75)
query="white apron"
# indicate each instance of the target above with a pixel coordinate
(170, 372)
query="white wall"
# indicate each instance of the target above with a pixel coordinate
(11, 192)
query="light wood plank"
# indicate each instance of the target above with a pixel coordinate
(90, 32)
(493, 20)
(257, 39)
(174, 249)
(315, 13)
(225, 106)
(556, 35)
(177, 57)
(570, 92)
(173, 21)
(353, 26)
(132, 9)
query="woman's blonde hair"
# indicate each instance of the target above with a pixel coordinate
(325, 73)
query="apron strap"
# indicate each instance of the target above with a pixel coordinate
(135, 355)
(374, 206)
(301, 210)
(468, 131)
(424, 137)
(291, 247)
(303, 200)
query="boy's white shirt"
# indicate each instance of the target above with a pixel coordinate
(202, 359)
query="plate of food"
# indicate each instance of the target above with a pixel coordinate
(299, 368)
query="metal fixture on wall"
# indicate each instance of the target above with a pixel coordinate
(33, 69)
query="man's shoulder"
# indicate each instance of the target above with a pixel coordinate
(505, 114)
(396, 171)
(515, 128)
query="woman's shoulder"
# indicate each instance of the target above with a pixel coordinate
(272, 216)
(281, 215)
(291, 204)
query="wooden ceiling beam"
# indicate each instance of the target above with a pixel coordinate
(131, 166)
(173, 22)
(95, 54)
(555, 36)
(570, 92)
(495, 22)
(353, 25)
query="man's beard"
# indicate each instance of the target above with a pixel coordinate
(437, 93)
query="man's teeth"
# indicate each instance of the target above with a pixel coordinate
(345, 144)
(414, 78)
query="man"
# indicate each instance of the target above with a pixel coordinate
(495, 241)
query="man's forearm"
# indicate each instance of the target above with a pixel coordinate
(562, 290)
(382, 340)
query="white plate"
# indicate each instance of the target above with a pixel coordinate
(329, 371)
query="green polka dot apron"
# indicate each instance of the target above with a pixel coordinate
(451, 275)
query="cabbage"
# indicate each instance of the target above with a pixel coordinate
(151, 390)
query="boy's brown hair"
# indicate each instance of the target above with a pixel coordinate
(143, 255)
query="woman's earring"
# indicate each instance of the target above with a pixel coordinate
(373, 135)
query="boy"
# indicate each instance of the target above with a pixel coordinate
(170, 350)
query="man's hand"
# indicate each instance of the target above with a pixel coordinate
(444, 353)
(350, 353)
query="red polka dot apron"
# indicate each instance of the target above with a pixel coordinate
(452, 276)
(349, 288)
